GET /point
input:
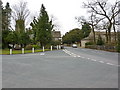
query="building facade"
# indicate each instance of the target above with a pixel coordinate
(56, 35)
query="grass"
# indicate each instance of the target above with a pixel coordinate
(7, 51)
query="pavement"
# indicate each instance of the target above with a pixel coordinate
(66, 68)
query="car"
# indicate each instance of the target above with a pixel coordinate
(74, 46)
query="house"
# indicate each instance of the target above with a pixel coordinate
(56, 35)
(97, 33)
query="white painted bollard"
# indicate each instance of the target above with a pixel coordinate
(10, 51)
(43, 48)
(57, 47)
(51, 48)
(33, 50)
(23, 51)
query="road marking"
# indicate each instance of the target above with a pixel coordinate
(75, 55)
(93, 60)
(101, 61)
(109, 63)
(42, 54)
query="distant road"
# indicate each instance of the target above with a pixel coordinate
(67, 68)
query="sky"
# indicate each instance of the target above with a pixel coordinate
(64, 11)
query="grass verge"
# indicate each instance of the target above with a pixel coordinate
(7, 51)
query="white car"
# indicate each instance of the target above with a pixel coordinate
(74, 46)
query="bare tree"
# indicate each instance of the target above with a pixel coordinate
(20, 14)
(55, 22)
(93, 21)
(102, 8)
(20, 11)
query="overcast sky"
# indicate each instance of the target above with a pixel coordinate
(64, 11)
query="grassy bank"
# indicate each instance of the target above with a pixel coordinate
(7, 51)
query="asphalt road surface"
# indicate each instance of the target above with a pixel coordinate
(67, 68)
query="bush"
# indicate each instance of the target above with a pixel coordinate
(36, 46)
(100, 41)
(28, 47)
(118, 48)
(56, 43)
(48, 46)
(89, 43)
(17, 47)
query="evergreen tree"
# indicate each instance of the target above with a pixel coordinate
(34, 29)
(6, 17)
(1, 8)
(1, 23)
(86, 29)
(42, 28)
(4, 41)
(12, 38)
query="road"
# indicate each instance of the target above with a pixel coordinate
(67, 68)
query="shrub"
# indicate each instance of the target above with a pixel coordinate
(56, 42)
(100, 41)
(17, 47)
(36, 46)
(89, 43)
(48, 46)
(118, 48)
(28, 47)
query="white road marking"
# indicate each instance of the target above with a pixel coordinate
(42, 54)
(75, 55)
(93, 60)
(109, 63)
(101, 61)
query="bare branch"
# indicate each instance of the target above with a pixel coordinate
(20, 11)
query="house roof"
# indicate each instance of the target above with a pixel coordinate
(56, 34)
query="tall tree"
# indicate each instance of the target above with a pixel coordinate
(20, 14)
(75, 35)
(1, 7)
(86, 29)
(6, 17)
(93, 21)
(101, 8)
(42, 27)
(34, 29)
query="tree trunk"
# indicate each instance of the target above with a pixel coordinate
(115, 36)
(109, 33)
(106, 36)
(94, 35)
